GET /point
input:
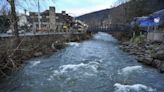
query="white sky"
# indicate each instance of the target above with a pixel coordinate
(72, 7)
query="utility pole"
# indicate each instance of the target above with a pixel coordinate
(39, 15)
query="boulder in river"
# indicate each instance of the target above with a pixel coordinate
(156, 63)
(161, 68)
(148, 60)
(159, 55)
(140, 59)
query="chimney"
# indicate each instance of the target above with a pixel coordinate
(52, 18)
(63, 12)
(52, 9)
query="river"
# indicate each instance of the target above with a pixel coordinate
(95, 65)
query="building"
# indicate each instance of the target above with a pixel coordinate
(47, 20)
(51, 21)
(22, 20)
(63, 21)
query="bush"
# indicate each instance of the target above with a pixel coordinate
(137, 39)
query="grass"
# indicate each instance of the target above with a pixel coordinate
(137, 39)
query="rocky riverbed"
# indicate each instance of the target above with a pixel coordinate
(148, 53)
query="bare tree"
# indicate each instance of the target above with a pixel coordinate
(14, 24)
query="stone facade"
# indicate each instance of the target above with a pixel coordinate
(51, 21)
(47, 18)
(63, 21)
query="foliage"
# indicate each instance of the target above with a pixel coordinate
(137, 39)
(136, 29)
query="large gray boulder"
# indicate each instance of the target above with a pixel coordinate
(156, 63)
(159, 55)
(147, 60)
(161, 68)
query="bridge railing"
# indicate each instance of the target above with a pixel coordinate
(112, 28)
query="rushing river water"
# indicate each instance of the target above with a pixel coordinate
(96, 65)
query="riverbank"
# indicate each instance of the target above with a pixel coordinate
(148, 53)
(12, 59)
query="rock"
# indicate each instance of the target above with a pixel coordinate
(147, 60)
(140, 59)
(161, 68)
(159, 55)
(37, 54)
(53, 46)
(156, 63)
(125, 43)
(140, 53)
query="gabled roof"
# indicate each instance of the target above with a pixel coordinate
(63, 18)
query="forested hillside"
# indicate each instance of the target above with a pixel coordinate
(123, 13)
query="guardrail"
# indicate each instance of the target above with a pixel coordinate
(110, 28)
(5, 35)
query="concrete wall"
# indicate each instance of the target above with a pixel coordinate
(155, 36)
(6, 42)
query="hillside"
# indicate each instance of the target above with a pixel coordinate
(123, 13)
(94, 18)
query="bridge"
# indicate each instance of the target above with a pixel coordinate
(109, 29)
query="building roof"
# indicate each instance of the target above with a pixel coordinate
(63, 17)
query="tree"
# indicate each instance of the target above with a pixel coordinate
(4, 20)
(128, 9)
(14, 24)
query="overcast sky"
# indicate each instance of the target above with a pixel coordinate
(79, 7)
(72, 7)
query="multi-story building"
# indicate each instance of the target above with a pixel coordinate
(51, 21)
(63, 21)
(47, 20)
